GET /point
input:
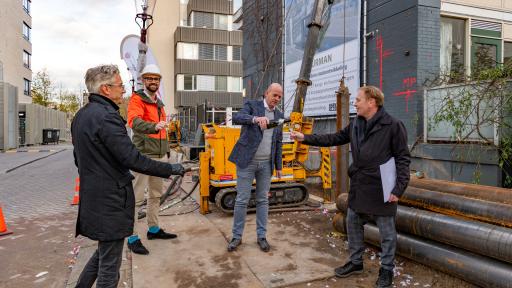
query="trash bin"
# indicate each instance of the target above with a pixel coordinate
(51, 135)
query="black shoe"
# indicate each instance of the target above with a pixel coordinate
(137, 248)
(348, 269)
(264, 246)
(161, 234)
(235, 242)
(385, 279)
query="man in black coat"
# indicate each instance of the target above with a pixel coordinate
(104, 155)
(375, 137)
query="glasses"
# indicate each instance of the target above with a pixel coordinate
(152, 79)
(116, 85)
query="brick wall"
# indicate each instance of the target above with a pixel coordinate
(402, 54)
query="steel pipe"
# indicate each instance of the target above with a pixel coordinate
(338, 223)
(478, 237)
(476, 269)
(448, 204)
(488, 193)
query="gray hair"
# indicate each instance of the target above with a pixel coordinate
(100, 75)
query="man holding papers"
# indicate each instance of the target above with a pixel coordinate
(378, 175)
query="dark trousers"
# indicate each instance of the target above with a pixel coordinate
(355, 233)
(103, 266)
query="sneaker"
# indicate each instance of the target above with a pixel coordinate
(137, 248)
(348, 269)
(235, 242)
(385, 279)
(161, 234)
(264, 246)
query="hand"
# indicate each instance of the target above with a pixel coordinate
(279, 173)
(160, 125)
(262, 122)
(297, 136)
(392, 198)
(178, 169)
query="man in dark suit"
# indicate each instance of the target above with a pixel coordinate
(104, 155)
(256, 154)
(375, 138)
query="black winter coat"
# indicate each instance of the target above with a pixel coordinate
(386, 138)
(104, 155)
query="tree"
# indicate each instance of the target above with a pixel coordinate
(68, 102)
(42, 88)
(480, 101)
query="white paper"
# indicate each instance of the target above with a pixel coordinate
(388, 178)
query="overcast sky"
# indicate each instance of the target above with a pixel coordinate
(68, 37)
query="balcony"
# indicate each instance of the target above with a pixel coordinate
(208, 67)
(206, 35)
(214, 98)
(212, 6)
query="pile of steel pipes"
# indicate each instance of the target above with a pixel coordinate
(461, 229)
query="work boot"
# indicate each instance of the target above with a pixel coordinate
(385, 279)
(264, 246)
(137, 248)
(235, 242)
(161, 234)
(348, 269)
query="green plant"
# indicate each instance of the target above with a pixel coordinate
(480, 101)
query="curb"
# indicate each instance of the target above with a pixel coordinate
(29, 151)
(32, 161)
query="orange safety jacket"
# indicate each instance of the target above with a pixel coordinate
(143, 115)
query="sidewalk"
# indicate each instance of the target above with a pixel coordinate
(304, 252)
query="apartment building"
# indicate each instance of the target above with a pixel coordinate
(199, 53)
(16, 47)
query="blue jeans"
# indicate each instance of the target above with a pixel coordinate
(262, 171)
(355, 233)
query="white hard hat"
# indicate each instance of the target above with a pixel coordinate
(151, 69)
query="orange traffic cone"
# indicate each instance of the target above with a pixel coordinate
(3, 226)
(76, 197)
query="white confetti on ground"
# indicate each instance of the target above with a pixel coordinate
(41, 274)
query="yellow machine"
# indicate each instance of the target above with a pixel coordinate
(218, 175)
(174, 133)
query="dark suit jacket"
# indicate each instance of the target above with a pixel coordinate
(104, 155)
(384, 139)
(251, 136)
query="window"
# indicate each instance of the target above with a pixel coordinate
(187, 51)
(235, 84)
(453, 38)
(206, 51)
(26, 59)
(189, 82)
(221, 83)
(221, 52)
(507, 53)
(221, 22)
(202, 20)
(485, 56)
(26, 89)
(205, 83)
(237, 53)
(26, 31)
(26, 6)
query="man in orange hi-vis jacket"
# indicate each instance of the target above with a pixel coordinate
(146, 117)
